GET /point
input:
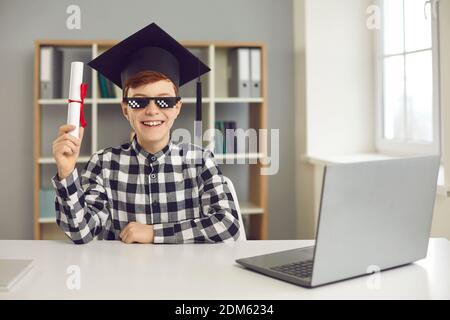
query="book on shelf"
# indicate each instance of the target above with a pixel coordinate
(226, 141)
(111, 91)
(218, 138)
(230, 138)
(106, 87)
(102, 85)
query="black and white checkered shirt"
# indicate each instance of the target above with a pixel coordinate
(185, 200)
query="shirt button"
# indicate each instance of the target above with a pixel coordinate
(153, 176)
(155, 203)
(153, 158)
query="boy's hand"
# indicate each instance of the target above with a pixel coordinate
(137, 232)
(66, 149)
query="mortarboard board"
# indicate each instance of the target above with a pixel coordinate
(151, 49)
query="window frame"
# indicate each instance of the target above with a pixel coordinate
(387, 146)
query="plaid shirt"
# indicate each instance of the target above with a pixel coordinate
(185, 200)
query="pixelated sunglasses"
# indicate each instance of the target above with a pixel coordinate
(142, 102)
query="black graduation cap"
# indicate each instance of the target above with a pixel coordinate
(151, 49)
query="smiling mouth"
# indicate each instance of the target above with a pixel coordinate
(152, 124)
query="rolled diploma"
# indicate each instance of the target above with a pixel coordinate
(73, 113)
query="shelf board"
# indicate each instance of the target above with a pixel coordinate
(52, 160)
(194, 100)
(47, 220)
(250, 208)
(229, 156)
(59, 101)
(238, 100)
(108, 100)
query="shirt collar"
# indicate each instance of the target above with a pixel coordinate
(150, 157)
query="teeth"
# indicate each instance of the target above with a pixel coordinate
(153, 123)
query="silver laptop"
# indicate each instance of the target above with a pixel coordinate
(11, 271)
(373, 216)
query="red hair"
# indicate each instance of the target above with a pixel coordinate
(143, 78)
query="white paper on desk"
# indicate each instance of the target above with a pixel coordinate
(11, 271)
(73, 113)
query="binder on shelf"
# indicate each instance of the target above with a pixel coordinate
(51, 73)
(239, 78)
(255, 73)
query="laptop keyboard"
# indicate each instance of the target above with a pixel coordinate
(301, 269)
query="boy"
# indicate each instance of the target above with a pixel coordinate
(148, 190)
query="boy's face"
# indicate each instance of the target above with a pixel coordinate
(150, 134)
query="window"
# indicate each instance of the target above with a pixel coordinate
(408, 100)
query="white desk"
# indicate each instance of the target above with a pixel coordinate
(111, 269)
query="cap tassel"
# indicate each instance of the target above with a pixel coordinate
(198, 115)
(198, 109)
(199, 101)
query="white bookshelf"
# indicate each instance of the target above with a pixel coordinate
(255, 206)
(238, 100)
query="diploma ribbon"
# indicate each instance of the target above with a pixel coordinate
(83, 91)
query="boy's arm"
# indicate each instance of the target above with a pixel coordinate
(81, 202)
(221, 222)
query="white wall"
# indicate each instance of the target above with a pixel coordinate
(340, 77)
(334, 79)
(304, 173)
